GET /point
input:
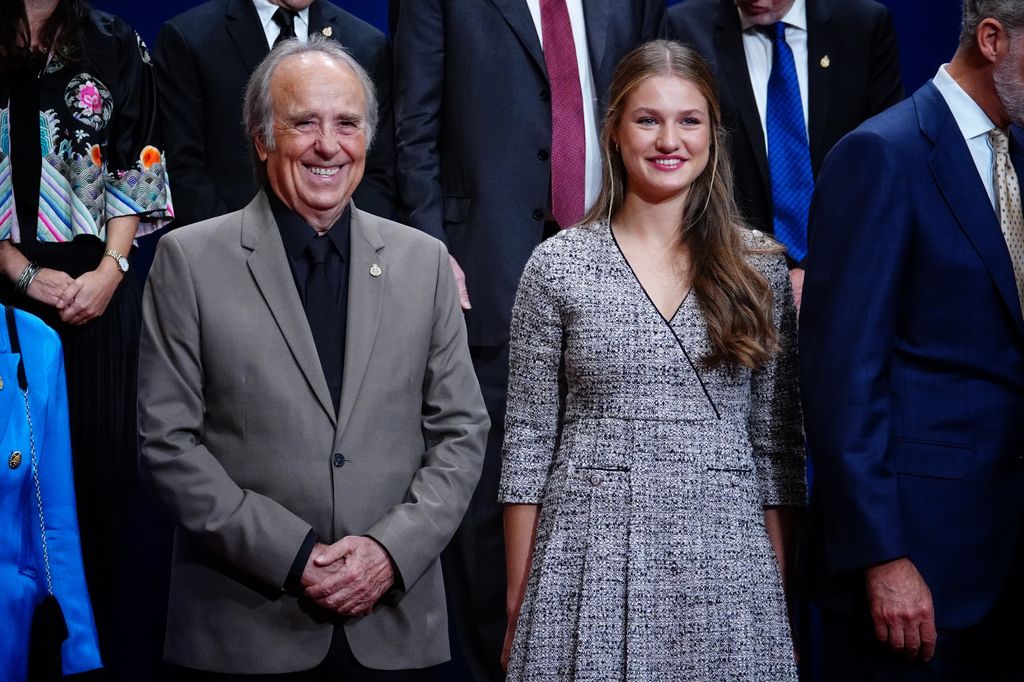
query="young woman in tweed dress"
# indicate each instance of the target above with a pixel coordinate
(654, 449)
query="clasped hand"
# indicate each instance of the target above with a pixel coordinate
(348, 577)
(78, 300)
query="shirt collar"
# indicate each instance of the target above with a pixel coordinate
(297, 234)
(796, 17)
(266, 10)
(969, 116)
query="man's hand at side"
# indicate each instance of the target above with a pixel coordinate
(348, 577)
(901, 609)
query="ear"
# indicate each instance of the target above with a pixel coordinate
(992, 39)
(261, 147)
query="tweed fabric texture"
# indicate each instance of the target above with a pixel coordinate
(1011, 218)
(651, 559)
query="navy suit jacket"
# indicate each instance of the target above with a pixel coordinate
(912, 363)
(203, 60)
(473, 131)
(859, 78)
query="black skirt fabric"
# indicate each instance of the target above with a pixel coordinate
(101, 364)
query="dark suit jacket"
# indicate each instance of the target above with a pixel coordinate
(239, 433)
(473, 131)
(862, 79)
(203, 59)
(912, 363)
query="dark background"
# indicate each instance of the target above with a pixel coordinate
(927, 29)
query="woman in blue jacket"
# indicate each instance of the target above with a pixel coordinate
(23, 582)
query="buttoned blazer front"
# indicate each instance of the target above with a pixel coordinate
(473, 131)
(22, 563)
(912, 365)
(853, 74)
(239, 438)
(203, 59)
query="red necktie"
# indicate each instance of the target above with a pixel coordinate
(568, 137)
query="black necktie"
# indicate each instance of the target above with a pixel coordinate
(323, 315)
(285, 18)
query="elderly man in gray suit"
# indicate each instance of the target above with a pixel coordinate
(308, 409)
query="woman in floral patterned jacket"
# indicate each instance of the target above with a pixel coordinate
(81, 175)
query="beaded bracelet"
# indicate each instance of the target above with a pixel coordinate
(26, 277)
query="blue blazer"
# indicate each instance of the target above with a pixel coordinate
(912, 363)
(22, 575)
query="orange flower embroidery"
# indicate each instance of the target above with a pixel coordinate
(149, 156)
(96, 154)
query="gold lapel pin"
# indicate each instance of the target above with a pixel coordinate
(15, 461)
(328, 31)
(826, 62)
(375, 270)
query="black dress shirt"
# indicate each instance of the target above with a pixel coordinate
(296, 235)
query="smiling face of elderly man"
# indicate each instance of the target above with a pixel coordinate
(319, 137)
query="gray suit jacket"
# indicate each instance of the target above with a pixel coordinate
(238, 437)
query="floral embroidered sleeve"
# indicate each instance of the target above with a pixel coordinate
(135, 177)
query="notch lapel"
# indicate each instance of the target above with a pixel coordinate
(735, 79)
(318, 21)
(243, 25)
(517, 15)
(365, 294)
(596, 22)
(957, 179)
(269, 267)
(820, 44)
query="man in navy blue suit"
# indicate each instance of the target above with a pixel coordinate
(912, 344)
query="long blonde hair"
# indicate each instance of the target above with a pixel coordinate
(735, 298)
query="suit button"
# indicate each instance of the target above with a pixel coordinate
(595, 479)
(15, 461)
(1020, 461)
(545, 95)
(538, 214)
(543, 155)
(339, 459)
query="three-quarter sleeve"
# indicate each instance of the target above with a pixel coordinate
(776, 422)
(135, 179)
(535, 359)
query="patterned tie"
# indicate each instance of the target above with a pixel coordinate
(1011, 219)
(568, 137)
(789, 156)
(285, 18)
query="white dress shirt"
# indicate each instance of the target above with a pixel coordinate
(758, 45)
(266, 11)
(974, 125)
(579, 37)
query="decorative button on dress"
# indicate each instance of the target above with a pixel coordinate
(651, 560)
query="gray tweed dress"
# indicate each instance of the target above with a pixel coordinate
(651, 559)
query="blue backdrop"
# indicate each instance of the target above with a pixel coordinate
(927, 29)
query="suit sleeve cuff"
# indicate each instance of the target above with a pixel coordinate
(293, 583)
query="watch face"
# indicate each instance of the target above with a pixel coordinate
(122, 263)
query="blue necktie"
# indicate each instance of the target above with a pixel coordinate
(789, 157)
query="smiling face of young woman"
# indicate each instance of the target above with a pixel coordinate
(664, 138)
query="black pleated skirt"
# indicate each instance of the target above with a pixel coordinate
(101, 363)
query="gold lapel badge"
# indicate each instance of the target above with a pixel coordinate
(375, 270)
(826, 62)
(15, 461)
(328, 31)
